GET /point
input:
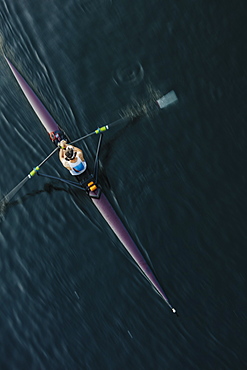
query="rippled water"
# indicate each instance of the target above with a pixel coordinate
(71, 298)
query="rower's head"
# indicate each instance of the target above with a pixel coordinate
(70, 153)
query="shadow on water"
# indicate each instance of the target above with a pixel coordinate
(48, 188)
(79, 198)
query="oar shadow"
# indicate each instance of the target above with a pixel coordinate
(80, 198)
(48, 188)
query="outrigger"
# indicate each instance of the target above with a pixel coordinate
(90, 184)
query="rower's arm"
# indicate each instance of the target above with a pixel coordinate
(63, 160)
(61, 154)
(80, 153)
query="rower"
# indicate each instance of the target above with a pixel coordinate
(72, 158)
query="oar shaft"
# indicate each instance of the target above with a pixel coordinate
(101, 129)
(83, 137)
(10, 195)
(37, 168)
(49, 156)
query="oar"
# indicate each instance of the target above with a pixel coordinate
(10, 195)
(162, 102)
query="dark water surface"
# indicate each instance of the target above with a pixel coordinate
(70, 297)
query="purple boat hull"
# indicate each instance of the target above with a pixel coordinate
(44, 116)
(123, 235)
(101, 203)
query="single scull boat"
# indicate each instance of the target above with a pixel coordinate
(56, 134)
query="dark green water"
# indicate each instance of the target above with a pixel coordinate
(70, 297)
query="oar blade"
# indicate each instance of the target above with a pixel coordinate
(12, 193)
(167, 99)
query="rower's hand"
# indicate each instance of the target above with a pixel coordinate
(62, 144)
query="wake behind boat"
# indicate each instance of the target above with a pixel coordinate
(90, 184)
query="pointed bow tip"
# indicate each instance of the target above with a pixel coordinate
(174, 311)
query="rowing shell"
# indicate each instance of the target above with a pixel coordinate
(98, 198)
